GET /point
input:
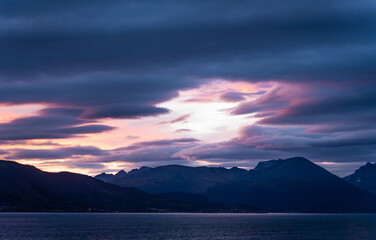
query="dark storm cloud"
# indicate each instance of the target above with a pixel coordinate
(102, 96)
(49, 124)
(88, 54)
(255, 40)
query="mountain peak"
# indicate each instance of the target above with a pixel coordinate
(138, 170)
(298, 159)
(107, 177)
(104, 176)
(367, 168)
(121, 173)
(364, 177)
(265, 164)
(368, 164)
(273, 163)
(291, 168)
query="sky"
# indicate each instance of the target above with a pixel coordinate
(98, 86)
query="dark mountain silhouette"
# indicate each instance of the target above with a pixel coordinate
(26, 188)
(176, 178)
(107, 177)
(364, 178)
(293, 185)
(138, 170)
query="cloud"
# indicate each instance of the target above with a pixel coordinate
(274, 99)
(183, 130)
(50, 123)
(257, 143)
(3, 152)
(121, 62)
(353, 103)
(182, 119)
(26, 142)
(156, 152)
(98, 95)
(237, 96)
(232, 97)
(132, 137)
(197, 100)
(56, 153)
(308, 41)
(96, 166)
(318, 108)
(157, 155)
(163, 142)
(167, 142)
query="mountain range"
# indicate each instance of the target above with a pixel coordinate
(26, 188)
(176, 178)
(293, 185)
(290, 185)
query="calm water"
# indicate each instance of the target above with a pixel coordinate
(187, 226)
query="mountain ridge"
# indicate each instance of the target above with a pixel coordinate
(293, 185)
(173, 178)
(283, 185)
(301, 186)
(364, 178)
(26, 188)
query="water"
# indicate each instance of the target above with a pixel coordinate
(187, 226)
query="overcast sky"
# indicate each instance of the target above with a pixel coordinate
(93, 86)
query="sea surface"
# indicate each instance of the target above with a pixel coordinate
(103, 226)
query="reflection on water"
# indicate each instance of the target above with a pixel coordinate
(187, 226)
